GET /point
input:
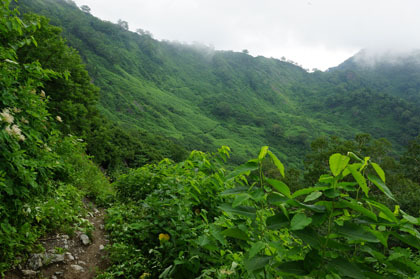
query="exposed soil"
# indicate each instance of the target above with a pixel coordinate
(80, 261)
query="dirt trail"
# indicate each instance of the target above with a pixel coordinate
(67, 257)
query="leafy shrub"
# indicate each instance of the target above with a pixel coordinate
(79, 170)
(335, 229)
(35, 198)
(163, 209)
(196, 221)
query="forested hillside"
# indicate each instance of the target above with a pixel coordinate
(396, 74)
(92, 114)
(203, 98)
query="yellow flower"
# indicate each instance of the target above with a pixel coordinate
(164, 237)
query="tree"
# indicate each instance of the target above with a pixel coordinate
(123, 24)
(85, 8)
(71, 95)
(143, 32)
(411, 160)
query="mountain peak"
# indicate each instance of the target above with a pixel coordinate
(373, 58)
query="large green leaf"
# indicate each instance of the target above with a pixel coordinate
(379, 171)
(276, 198)
(313, 207)
(216, 232)
(309, 236)
(239, 199)
(236, 233)
(308, 190)
(295, 268)
(346, 268)
(240, 210)
(263, 153)
(381, 236)
(255, 249)
(354, 156)
(313, 196)
(299, 221)
(381, 186)
(355, 232)
(234, 191)
(280, 186)
(411, 219)
(353, 205)
(386, 212)
(408, 239)
(338, 163)
(277, 221)
(256, 263)
(277, 162)
(359, 178)
(207, 243)
(373, 252)
(242, 169)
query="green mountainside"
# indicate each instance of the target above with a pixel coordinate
(394, 73)
(203, 98)
(114, 133)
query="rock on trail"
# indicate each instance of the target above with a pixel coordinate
(67, 257)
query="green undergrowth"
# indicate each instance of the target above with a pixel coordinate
(194, 219)
(44, 174)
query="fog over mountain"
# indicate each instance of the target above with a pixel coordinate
(374, 57)
(314, 33)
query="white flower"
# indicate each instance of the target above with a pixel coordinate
(42, 94)
(6, 116)
(59, 118)
(8, 130)
(24, 120)
(226, 272)
(15, 131)
(11, 62)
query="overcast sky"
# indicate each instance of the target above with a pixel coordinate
(314, 33)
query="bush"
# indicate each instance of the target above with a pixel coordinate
(195, 221)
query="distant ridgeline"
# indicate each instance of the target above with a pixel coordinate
(202, 98)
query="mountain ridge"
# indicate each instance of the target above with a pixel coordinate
(205, 100)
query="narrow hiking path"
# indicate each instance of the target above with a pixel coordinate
(65, 257)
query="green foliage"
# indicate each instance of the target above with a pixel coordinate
(40, 188)
(176, 200)
(195, 220)
(398, 173)
(411, 160)
(339, 230)
(79, 170)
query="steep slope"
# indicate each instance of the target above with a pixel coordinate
(205, 98)
(392, 72)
